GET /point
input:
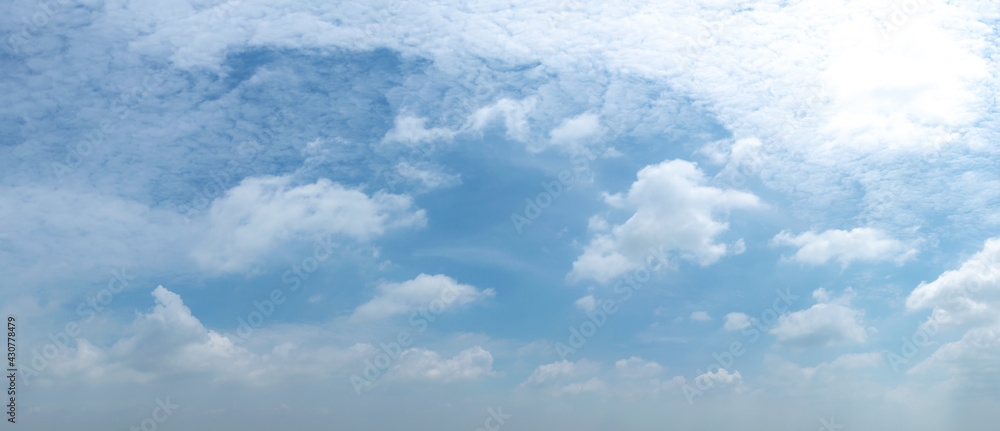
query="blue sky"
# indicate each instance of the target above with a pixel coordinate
(699, 215)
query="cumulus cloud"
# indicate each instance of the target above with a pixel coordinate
(674, 211)
(736, 321)
(263, 212)
(967, 295)
(858, 244)
(436, 293)
(422, 364)
(968, 298)
(170, 339)
(823, 324)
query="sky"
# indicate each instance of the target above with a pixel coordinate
(697, 215)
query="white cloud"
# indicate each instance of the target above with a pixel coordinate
(968, 295)
(261, 213)
(169, 342)
(636, 367)
(436, 293)
(587, 303)
(575, 133)
(428, 177)
(967, 298)
(719, 379)
(674, 210)
(597, 223)
(514, 114)
(700, 316)
(170, 339)
(834, 103)
(859, 244)
(422, 364)
(736, 321)
(823, 324)
(411, 130)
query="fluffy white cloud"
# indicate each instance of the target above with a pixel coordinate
(968, 295)
(436, 293)
(422, 364)
(170, 339)
(859, 244)
(736, 321)
(675, 211)
(260, 213)
(700, 316)
(823, 324)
